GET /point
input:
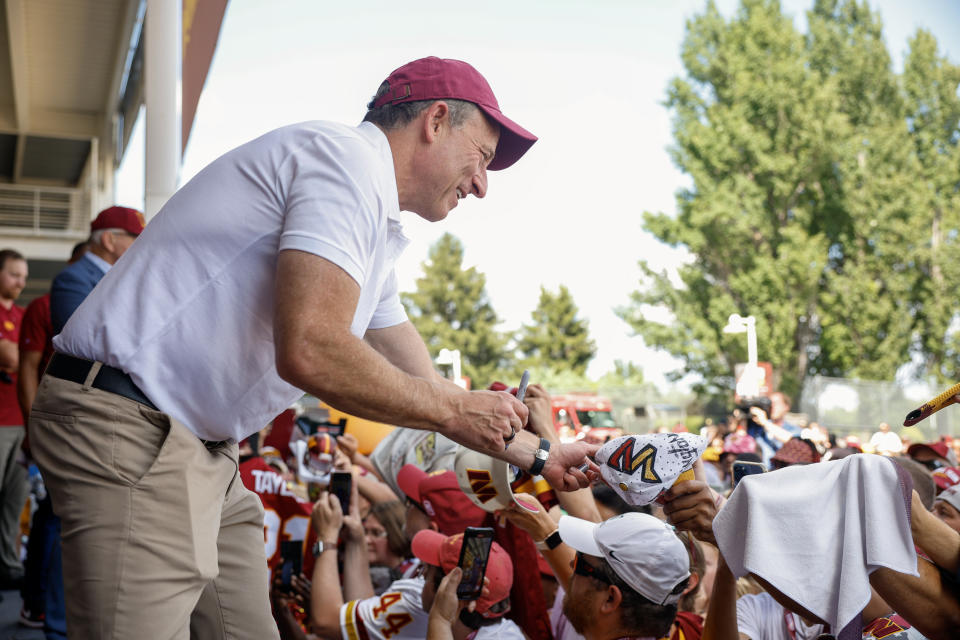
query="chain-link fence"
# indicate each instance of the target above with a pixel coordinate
(856, 407)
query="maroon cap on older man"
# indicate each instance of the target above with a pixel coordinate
(130, 220)
(438, 78)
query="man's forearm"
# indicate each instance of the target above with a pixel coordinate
(940, 542)
(354, 378)
(721, 622)
(356, 572)
(28, 381)
(325, 595)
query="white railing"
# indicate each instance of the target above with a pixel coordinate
(43, 211)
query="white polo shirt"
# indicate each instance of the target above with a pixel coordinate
(188, 310)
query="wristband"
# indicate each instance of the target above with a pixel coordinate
(540, 457)
(551, 542)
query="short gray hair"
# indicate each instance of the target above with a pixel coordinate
(97, 235)
(393, 116)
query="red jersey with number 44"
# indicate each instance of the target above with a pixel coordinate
(285, 515)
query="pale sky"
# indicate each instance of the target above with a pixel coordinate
(588, 78)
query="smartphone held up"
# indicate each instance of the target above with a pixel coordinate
(474, 554)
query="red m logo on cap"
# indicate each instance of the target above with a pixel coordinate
(481, 484)
(626, 461)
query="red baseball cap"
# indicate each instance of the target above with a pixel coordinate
(440, 496)
(444, 551)
(130, 220)
(939, 448)
(438, 78)
(946, 477)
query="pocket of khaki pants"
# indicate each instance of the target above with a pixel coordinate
(137, 443)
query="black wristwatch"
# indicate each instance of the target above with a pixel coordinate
(540, 457)
(320, 546)
(551, 542)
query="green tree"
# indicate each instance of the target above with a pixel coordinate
(802, 210)
(557, 338)
(933, 113)
(451, 310)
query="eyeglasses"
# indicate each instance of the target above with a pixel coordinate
(933, 465)
(375, 533)
(587, 570)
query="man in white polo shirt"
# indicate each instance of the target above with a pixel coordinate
(268, 274)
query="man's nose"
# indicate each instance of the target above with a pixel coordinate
(480, 183)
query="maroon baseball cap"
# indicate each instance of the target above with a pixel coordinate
(130, 220)
(797, 451)
(938, 448)
(438, 78)
(440, 496)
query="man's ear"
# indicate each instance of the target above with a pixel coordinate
(108, 241)
(692, 583)
(612, 601)
(435, 121)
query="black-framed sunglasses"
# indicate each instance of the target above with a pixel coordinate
(587, 570)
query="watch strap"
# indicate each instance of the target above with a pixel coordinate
(551, 542)
(540, 457)
(320, 546)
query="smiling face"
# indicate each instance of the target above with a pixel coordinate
(454, 163)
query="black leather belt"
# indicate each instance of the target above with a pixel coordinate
(108, 378)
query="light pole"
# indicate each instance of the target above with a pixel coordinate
(749, 383)
(451, 358)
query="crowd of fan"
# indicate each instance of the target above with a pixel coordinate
(393, 572)
(571, 564)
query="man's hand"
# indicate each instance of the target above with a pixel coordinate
(541, 413)
(539, 525)
(691, 506)
(446, 606)
(327, 517)
(348, 444)
(484, 420)
(561, 469)
(759, 415)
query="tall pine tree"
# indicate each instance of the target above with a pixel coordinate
(451, 310)
(557, 338)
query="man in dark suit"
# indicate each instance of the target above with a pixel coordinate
(111, 234)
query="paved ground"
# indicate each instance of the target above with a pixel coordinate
(9, 611)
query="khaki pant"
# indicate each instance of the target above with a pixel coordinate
(14, 490)
(156, 527)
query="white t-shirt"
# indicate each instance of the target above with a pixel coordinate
(886, 441)
(761, 618)
(188, 310)
(398, 615)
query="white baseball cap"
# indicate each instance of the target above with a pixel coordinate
(642, 467)
(644, 551)
(486, 480)
(951, 496)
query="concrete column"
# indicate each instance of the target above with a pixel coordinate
(164, 33)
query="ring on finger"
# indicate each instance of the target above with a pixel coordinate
(513, 434)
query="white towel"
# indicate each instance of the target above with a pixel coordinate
(817, 532)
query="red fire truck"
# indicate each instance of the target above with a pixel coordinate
(586, 416)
